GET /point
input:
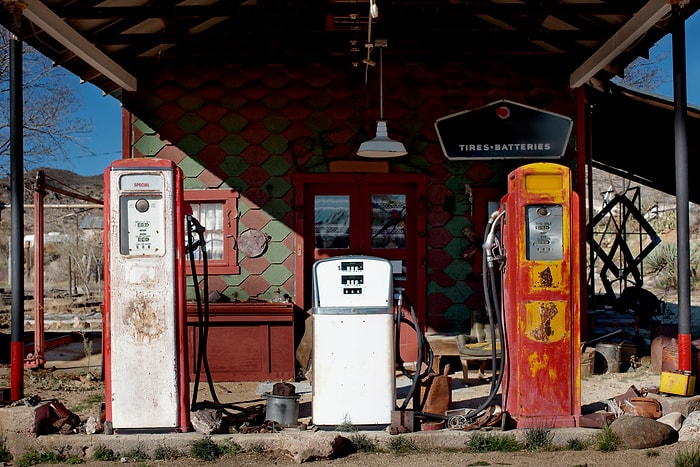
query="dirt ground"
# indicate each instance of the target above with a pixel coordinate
(73, 379)
(72, 376)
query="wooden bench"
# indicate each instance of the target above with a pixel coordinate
(445, 345)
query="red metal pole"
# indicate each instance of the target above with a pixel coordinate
(38, 359)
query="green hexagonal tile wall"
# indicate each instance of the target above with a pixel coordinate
(292, 119)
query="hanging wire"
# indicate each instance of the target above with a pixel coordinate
(381, 84)
(373, 13)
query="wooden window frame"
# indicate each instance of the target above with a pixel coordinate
(229, 199)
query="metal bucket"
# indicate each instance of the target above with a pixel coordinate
(283, 409)
(610, 357)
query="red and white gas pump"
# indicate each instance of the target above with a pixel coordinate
(146, 376)
(541, 298)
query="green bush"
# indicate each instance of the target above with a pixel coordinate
(137, 454)
(663, 262)
(399, 445)
(230, 448)
(164, 452)
(34, 457)
(103, 453)
(688, 458)
(607, 440)
(361, 443)
(5, 454)
(538, 438)
(205, 449)
(575, 444)
(487, 442)
(74, 460)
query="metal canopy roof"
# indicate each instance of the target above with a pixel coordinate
(633, 136)
(111, 43)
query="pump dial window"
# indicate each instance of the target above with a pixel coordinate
(544, 211)
(142, 225)
(544, 232)
(142, 205)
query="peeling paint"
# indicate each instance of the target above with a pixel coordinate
(547, 311)
(545, 278)
(142, 322)
(536, 363)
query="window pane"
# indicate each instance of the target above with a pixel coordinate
(388, 221)
(211, 216)
(332, 221)
(215, 244)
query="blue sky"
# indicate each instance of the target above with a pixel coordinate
(104, 142)
(692, 52)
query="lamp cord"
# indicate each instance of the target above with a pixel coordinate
(381, 84)
(368, 61)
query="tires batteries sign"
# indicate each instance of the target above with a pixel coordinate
(503, 130)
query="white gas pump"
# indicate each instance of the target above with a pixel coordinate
(353, 341)
(146, 377)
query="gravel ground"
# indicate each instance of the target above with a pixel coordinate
(67, 382)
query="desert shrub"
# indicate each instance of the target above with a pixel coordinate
(607, 440)
(361, 443)
(5, 454)
(346, 426)
(205, 449)
(164, 452)
(575, 444)
(663, 262)
(399, 445)
(137, 454)
(34, 457)
(256, 448)
(103, 453)
(74, 460)
(486, 442)
(538, 438)
(230, 448)
(688, 458)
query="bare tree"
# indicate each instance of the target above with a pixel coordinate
(51, 122)
(645, 74)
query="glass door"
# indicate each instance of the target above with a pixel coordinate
(375, 217)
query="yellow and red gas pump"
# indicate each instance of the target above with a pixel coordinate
(146, 376)
(541, 298)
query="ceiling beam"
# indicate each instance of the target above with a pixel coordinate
(44, 18)
(637, 26)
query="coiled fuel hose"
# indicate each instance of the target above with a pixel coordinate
(492, 304)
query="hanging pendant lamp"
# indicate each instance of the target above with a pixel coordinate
(381, 146)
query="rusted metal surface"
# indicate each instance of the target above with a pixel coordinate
(541, 303)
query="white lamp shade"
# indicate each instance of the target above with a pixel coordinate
(381, 146)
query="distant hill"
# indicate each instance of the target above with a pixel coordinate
(64, 180)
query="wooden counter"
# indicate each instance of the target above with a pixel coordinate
(252, 341)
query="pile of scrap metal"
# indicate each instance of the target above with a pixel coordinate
(635, 402)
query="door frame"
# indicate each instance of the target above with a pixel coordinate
(419, 182)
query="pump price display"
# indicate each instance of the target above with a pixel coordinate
(544, 232)
(142, 228)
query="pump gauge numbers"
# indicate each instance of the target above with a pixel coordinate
(142, 228)
(544, 232)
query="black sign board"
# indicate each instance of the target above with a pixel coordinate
(503, 130)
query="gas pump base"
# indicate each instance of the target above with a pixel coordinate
(679, 384)
(403, 421)
(554, 421)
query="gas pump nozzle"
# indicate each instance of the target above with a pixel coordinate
(193, 225)
(197, 227)
(491, 241)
